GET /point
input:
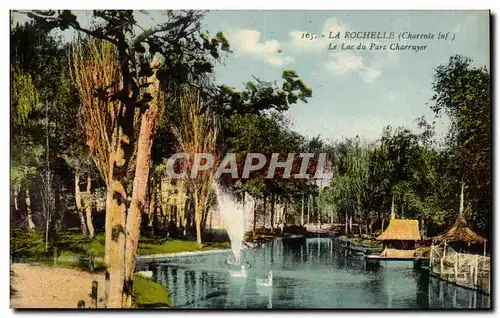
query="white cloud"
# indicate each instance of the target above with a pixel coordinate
(348, 62)
(249, 42)
(340, 64)
(371, 73)
(368, 64)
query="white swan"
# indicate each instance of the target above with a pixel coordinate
(250, 245)
(266, 282)
(147, 274)
(242, 273)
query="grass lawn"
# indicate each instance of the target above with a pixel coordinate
(149, 294)
(177, 245)
(30, 246)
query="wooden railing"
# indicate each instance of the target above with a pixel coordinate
(466, 270)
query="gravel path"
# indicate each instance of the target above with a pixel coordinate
(51, 287)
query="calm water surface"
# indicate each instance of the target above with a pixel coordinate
(307, 273)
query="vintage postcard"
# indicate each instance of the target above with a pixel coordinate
(246, 159)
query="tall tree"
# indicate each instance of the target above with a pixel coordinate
(197, 133)
(462, 91)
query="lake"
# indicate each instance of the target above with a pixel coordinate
(307, 273)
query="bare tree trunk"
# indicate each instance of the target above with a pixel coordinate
(108, 235)
(283, 216)
(350, 223)
(163, 211)
(272, 211)
(254, 216)
(88, 207)
(16, 202)
(118, 196)
(184, 214)
(139, 197)
(116, 245)
(152, 207)
(308, 208)
(199, 203)
(47, 223)
(79, 206)
(302, 212)
(178, 215)
(265, 210)
(346, 223)
(197, 217)
(204, 215)
(31, 224)
(319, 210)
(108, 225)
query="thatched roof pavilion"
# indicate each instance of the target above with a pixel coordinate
(401, 230)
(461, 233)
(399, 238)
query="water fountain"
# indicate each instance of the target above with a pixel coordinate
(235, 216)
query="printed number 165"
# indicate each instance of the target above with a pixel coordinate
(307, 35)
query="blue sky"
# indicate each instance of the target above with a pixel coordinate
(356, 92)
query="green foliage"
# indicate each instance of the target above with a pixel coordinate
(30, 245)
(42, 105)
(26, 160)
(348, 191)
(24, 95)
(260, 95)
(263, 133)
(463, 93)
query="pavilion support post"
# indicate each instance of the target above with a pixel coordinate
(471, 271)
(484, 252)
(442, 259)
(456, 266)
(476, 267)
(489, 285)
(431, 256)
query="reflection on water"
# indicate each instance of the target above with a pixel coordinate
(307, 273)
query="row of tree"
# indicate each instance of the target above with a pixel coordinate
(106, 110)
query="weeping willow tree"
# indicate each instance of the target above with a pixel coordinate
(197, 132)
(358, 165)
(95, 65)
(348, 190)
(27, 157)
